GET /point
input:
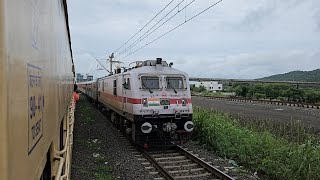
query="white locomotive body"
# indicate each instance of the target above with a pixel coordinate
(151, 102)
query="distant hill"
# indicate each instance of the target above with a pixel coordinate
(306, 76)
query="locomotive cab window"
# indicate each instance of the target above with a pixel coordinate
(150, 82)
(175, 83)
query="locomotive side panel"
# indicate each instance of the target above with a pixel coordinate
(128, 94)
(39, 80)
(110, 93)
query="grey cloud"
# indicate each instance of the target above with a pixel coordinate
(237, 39)
(261, 13)
(253, 65)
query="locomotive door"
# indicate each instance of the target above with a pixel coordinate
(124, 94)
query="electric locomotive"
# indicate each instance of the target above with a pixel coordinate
(151, 102)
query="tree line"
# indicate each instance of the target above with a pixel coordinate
(282, 92)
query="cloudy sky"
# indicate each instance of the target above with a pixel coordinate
(234, 39)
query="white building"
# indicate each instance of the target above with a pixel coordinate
(212, 86)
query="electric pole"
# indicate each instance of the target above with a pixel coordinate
(110, 59)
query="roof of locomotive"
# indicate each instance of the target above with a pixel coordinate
(150, 67)
(158, 69)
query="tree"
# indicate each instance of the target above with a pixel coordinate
(202, 89)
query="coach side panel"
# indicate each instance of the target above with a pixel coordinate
(40, 78)
(3, 96)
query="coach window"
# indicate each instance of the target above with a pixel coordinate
(102, 86)
(115, 87)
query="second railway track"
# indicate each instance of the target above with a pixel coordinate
(263, 101)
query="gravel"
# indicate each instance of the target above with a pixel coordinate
(309, 117)
(97, 145)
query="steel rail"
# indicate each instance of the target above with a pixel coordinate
(205, 165)
(161, 169)
(264, 101)
(251, 81)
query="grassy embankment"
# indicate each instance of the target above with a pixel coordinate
(277, 151)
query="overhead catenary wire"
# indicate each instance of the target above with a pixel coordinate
(100, 63)
(144, 26)
(145, 35)
(94, 68)
(139, 39)
(174, 28)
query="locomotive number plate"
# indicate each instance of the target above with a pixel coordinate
(35, 106)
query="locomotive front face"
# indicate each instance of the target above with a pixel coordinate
(164, 95)
(165, 110)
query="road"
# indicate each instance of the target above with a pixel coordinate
(308, 117)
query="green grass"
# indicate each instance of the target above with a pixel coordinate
(260, 150)
(103, 172)
(86, 112)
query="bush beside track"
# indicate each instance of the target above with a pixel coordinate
(262, 151)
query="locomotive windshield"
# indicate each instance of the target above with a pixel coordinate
(175, 83)
(150, 82)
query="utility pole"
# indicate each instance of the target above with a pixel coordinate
(110, 59)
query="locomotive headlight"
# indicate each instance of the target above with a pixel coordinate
(184, 102)
(146, 128)
(145, 102)
(188, 126)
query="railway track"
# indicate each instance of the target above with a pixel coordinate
(179, 163)
(174, 163)
(304, 105)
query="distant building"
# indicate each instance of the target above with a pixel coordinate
(89, 77)
(212, 86)
(79, 77)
